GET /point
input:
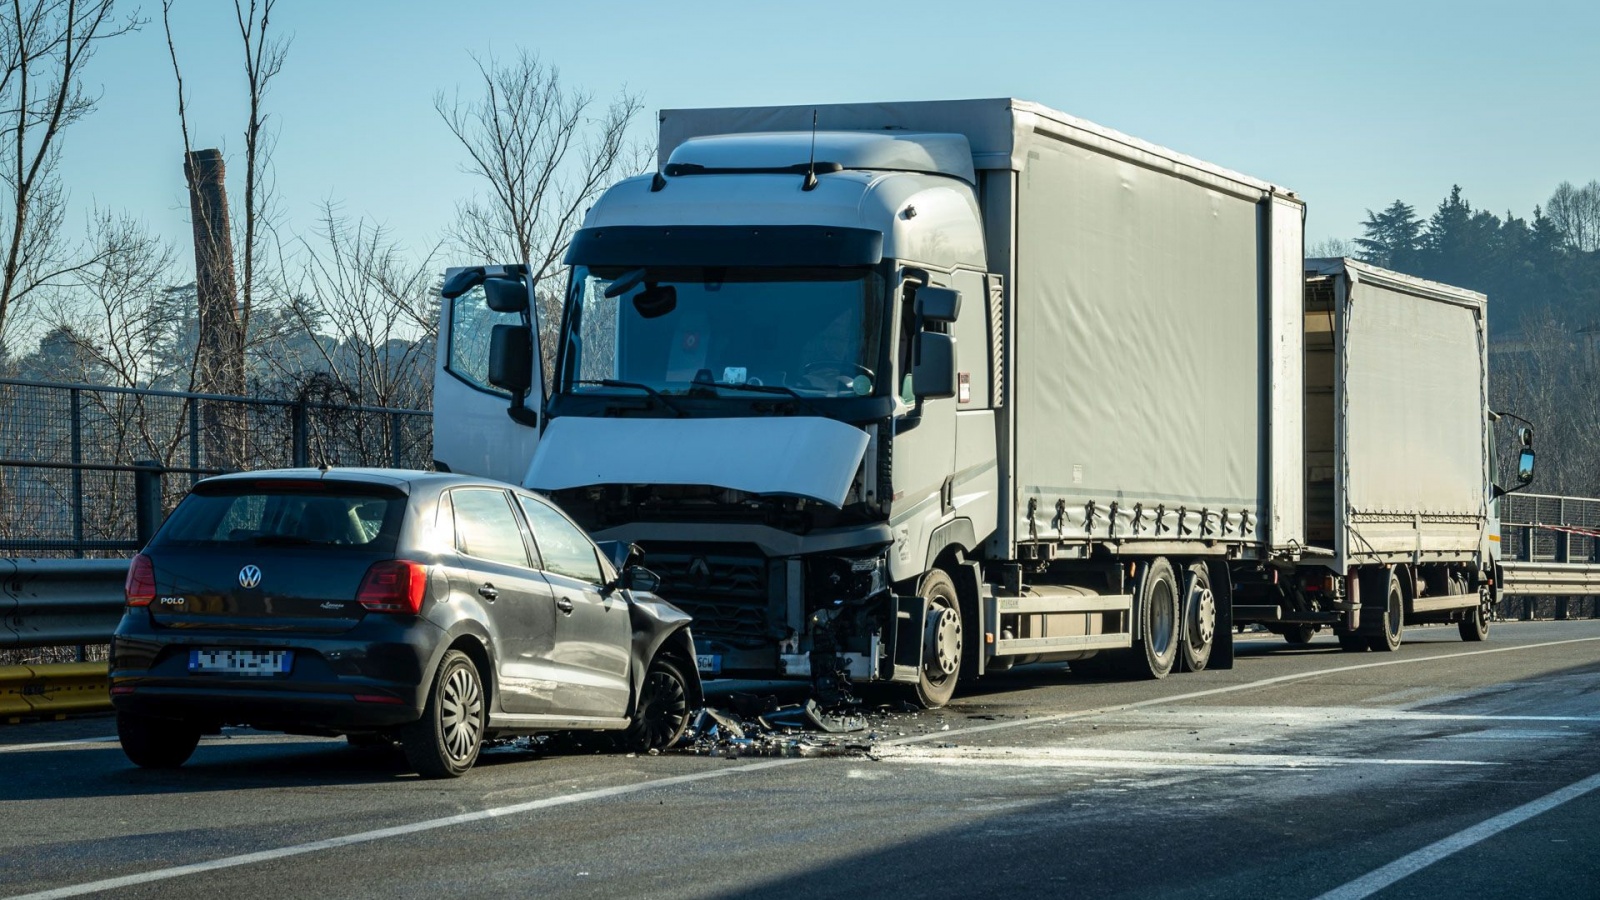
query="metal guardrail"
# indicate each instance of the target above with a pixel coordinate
(1525, 579)
(59, 602)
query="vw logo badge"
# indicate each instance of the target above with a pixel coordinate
(249, 576)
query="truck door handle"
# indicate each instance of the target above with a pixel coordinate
(488, 591)
(563, 604)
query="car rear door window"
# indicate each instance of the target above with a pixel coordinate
(565, 549)
(486, 526)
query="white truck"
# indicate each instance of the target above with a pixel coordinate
(910, 392)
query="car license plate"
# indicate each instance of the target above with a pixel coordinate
(708, 663)
(241, 662)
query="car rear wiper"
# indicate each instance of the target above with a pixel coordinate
(775, 389)
(654, 394)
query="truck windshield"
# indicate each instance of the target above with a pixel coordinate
(812, 332)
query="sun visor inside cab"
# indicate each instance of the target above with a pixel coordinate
(725, 245)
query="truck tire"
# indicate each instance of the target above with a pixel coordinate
(1159, 613)
(1475, 627)
(1300, 635)
(444, 743)
(942, 639)
(1385, 631)
(1199, 609)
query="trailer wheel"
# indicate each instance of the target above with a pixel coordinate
(941, 641)
(1391, 625)
(1159, 613)
(1476, 626)
(1199, 618)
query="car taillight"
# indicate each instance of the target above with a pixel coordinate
(394, 586)
(140, 586)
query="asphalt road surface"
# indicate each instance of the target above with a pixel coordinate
(1445, 769)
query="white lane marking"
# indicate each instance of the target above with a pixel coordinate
(52, 745)
(209, 740)
(1378, 879)
(431, 824)
(1213, 692)
(1323, 714)
(1088, 758)
(364, 837)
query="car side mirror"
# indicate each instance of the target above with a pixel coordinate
(638, 578)
(933, 374)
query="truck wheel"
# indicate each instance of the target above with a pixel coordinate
(1392, 623)
(152, 743)
(1351, 642)
(1159, 614)
(444, 743)
(1476, 626)
(941, 641)
(662, 713)
(1299, 635)
(1199, 618)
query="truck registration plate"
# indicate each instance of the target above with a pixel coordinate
(241, 662)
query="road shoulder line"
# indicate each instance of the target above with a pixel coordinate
(1378, 879)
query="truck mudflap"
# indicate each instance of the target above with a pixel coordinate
(903, 663)
(1222, 592)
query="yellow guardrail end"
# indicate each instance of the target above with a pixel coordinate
(54, 689)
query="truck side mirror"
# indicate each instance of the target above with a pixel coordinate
(511, 367)
(936, 304)
(933, 375)
(1525, 467)
(511, 358)
(506, 295)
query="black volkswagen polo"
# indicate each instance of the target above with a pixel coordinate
(436, 610)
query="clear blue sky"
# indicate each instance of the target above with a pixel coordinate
(1352, 104)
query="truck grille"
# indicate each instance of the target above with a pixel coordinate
(725, 590)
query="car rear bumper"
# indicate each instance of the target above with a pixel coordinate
(373, 676)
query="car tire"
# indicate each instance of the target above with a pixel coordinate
(444, 743)
(661, 713)
(152, 743)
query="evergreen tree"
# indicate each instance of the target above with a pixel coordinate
(1391, 237)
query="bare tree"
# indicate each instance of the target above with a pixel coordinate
(545, 152)
(1331, 248)
(226, 305)
(1550, 375)
(367, 315)
(44, 47)
(1576, 214)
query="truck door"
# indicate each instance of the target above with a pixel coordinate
(480, 425)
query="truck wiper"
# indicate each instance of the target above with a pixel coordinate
(654, 394)
(776, 389)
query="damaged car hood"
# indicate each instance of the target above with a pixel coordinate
(793, 456)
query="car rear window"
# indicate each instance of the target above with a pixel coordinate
(266, 514)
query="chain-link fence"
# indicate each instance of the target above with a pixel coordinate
(1546, 528)
(70, 454)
